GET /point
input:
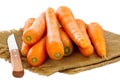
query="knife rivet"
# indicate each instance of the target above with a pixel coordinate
(15, 55)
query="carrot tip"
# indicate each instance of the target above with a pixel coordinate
(23, 54)
(67, 51)
(106, 58)
(57, 55)
(34, 60)
(28, 38)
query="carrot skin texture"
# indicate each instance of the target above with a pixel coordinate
(25, 47)
(37, 53)
(70, 26)
(54, 45)
(36, 31)
(96, 35)
(68, 46)
(90, 49)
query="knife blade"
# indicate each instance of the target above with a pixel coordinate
(16, 62)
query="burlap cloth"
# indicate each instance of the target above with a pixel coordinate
(72, 64)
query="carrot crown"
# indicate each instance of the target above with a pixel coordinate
(67, 51)
(57, 55)
(34, 59)
(28, 38)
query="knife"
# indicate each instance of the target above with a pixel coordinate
(18, 70)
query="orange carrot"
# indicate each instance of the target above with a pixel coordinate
(25, 47)
(37, 53)
(70, 26)
(28, 23)
(68, 47)
(89, 50)
(36, 31)
(54, 45)
(96, 35)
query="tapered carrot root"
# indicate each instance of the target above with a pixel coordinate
(54, 45)
(89, 50)
(36, 31)
(37, 53)
(96, 35)
(25, 47)
(68, 47)
(70, 26)
(28, 23)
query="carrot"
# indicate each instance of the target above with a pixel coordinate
(25, 47)
(37, 53)
(70, 26)
(54, 45)
(35, 32)
(89, 50)
(28, 23)
(96, 35)
(68, 47)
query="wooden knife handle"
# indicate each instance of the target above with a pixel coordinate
(18, 70)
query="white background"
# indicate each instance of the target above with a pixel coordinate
(13, 14)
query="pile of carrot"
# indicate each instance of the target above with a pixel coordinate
(53, 34)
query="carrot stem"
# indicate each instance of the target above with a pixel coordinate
(34, 59)
(28, 38)
(57, 55)
(67, 50)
